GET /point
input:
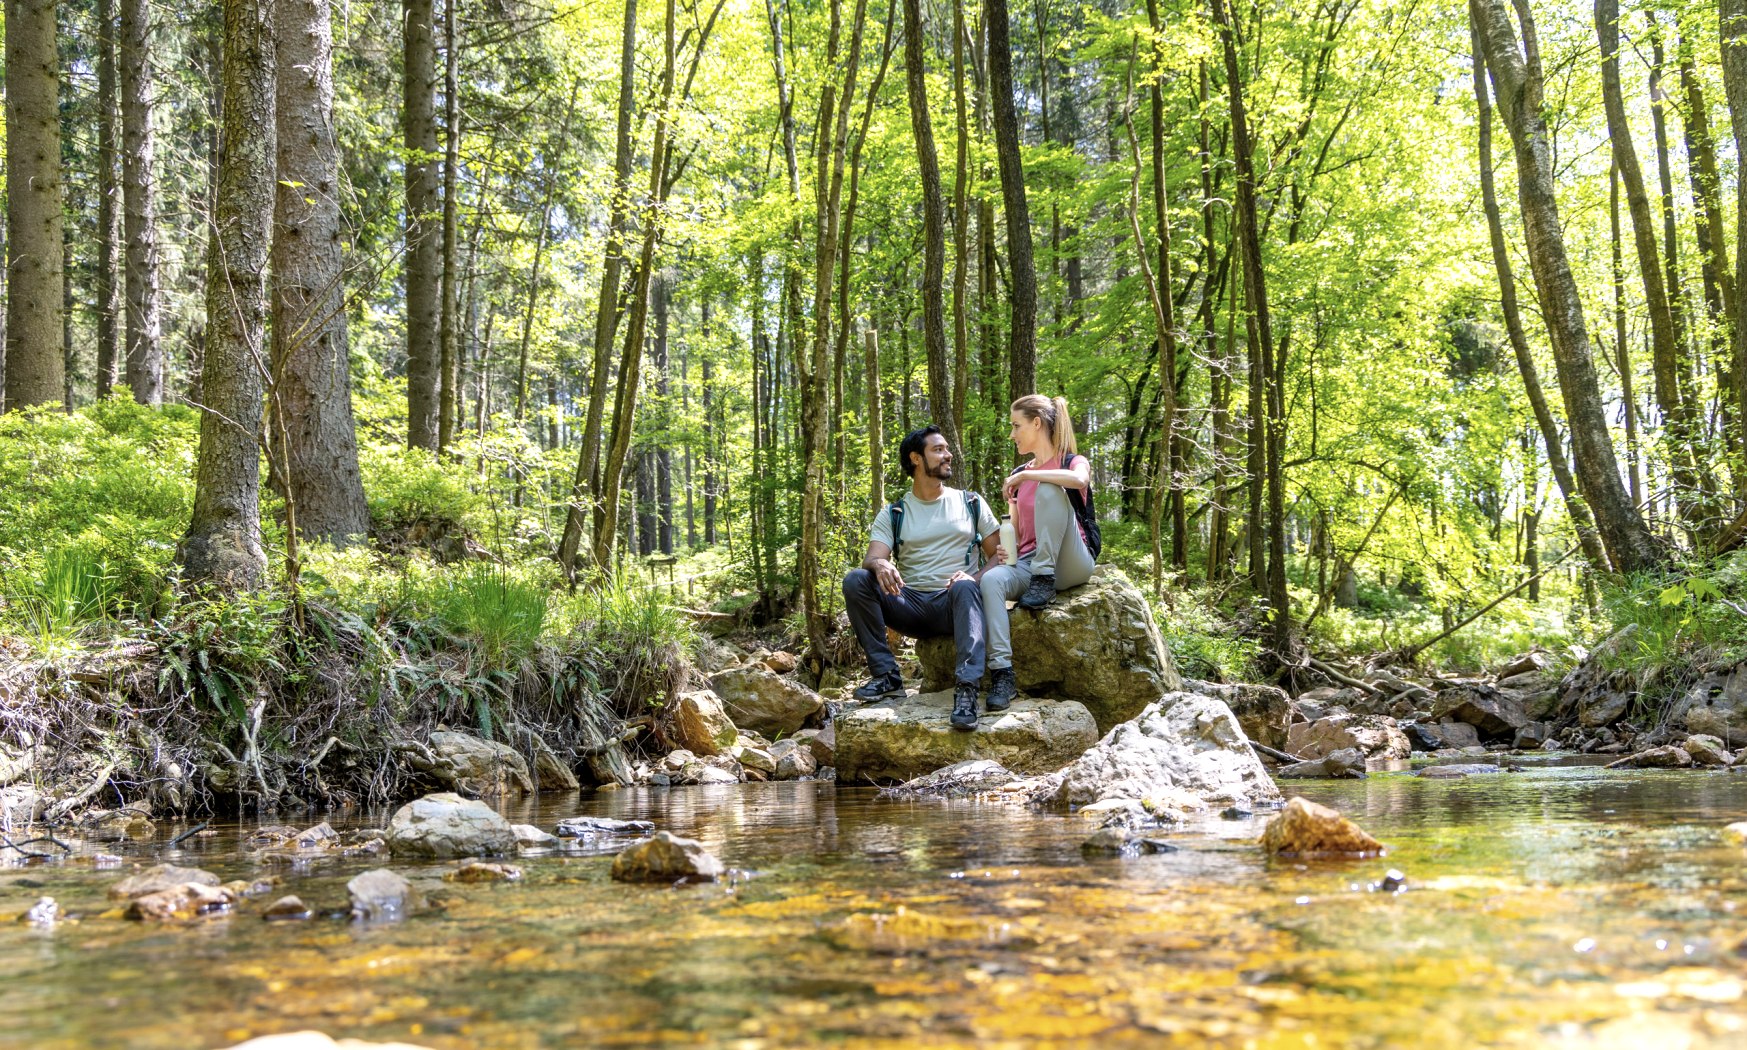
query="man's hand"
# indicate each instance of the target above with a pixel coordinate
(887, 574)
(961, 575)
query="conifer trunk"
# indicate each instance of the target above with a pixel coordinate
(145, 352)
(424, 231)
(933, 227)
(108, 195)
(35, 369)
(1022, 334)
(223, 546)
(312, 376)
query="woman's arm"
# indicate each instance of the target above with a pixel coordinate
(1078, 477)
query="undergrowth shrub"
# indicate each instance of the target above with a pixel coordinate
(634, 632)
(1699, 612)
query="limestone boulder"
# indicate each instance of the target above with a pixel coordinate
(1668, 756)
(702, 724)
(1707, 751)
(1181, 747)
(1375, 736)
(794, 760)
(447, 825)
(1264, 711)
(758, 699)
(552, 773)
(901, 740)
(1495, 713)
(1304, 827)
(467, 763)
(187, 901)
(1096, 644)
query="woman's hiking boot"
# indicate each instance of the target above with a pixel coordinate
(1003, 687)
(1040, 593)
(887, 686)
(964, 707)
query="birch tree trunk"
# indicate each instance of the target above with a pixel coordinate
(1516, 79)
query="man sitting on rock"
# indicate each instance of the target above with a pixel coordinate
(921, 573)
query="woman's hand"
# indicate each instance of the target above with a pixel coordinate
(1010, 487)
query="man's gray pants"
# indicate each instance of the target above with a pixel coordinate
(1060, 550)
(955, 612)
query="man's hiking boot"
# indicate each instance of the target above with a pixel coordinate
(964, 707)
(1002, 689)
(1040, 593)
(885, 687)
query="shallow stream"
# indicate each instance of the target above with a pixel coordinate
(1555, 906)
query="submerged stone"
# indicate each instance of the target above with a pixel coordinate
(381, 895)
(287, 909)
(187, 901)
(483, 871)
(1304, 827)
(597, 827)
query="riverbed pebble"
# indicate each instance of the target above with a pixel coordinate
(1304, 827)
(666, 858)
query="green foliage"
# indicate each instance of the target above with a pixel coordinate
(1202, 640)
(499, 610)
(1699, 612)
(633, 629)
(71, 590)
(219, 651)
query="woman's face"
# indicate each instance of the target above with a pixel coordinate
(1026, 432)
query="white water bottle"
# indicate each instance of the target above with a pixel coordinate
(1010, 540)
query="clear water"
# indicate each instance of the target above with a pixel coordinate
(1552, 907)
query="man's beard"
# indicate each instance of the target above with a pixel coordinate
(941, 471)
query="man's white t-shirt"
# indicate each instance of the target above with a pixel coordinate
(937, 537)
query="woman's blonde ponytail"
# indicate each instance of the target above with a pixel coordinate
(1062, 434)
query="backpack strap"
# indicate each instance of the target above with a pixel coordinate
(897, 512)
(974, 507)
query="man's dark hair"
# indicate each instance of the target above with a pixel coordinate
(914, 441)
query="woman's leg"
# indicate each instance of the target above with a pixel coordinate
(1061, 551)
(1001, 584)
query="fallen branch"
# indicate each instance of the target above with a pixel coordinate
(1327, 671)
(190, 833)
(1276, 753)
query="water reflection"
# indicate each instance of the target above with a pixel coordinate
(868, 921)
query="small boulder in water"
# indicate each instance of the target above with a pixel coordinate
(600, 827)
(287, 909)
(1736, 833)
(45, 912)
(1304, 827)
(483, 871)
(381, 895)
(666, 858)
(1707, 751)
(447, 825)
(1124, 842)
(186, 901)
(1668, 756)
(157, 879)
(530, 837)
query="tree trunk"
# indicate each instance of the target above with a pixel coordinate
(1513, 325)
(710, 467)
(551, 160)
(1732, 15)
(1022, 335)
(108, 195)
(448, 320)
(312, 375)
(663, 294)
(145, 353)
(1623, 353)
(587, 481)
(1665, 340)
(35, 370)
(424, 230)
(1255, 288)
(875, 434)
(933, 227)
(960, 229)
(223, 546)
(1701, 148)
(1516, 80)
(625, 419)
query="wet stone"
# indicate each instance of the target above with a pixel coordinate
(289, 908)
(530, 837)
(484, 871)
(188, 901)
(1668, 756)
(1124, 842)
(666, 858)
(597, 827)
(44, 912)
(1393, 881)
(1304, 827)
(159, 878)
(381, 895)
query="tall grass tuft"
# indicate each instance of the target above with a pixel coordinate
(639, 636)
(498, 610)
(74, 588)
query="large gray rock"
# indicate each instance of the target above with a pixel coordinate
(1096, 643)
(764, 702)
(1265, 711)
(447, 825)
(904, 739)
(466, 763)
(1716, 705)
(1376, 736)
(1183, 747)
(1496, 714)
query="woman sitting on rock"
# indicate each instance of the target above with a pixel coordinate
(1048, 496)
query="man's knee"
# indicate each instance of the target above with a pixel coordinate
(859, 584)
(965, 591)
